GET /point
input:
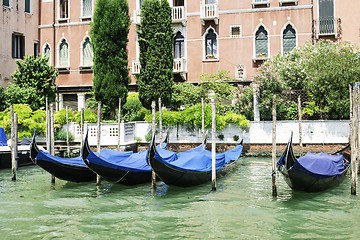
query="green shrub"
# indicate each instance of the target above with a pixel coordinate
(236, 138)
(89, 116)
(61, 135)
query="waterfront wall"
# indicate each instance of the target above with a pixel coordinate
(313, 132)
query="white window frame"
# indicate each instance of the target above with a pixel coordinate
(82, 17)
(204, 48)
(59, 19)
(10, 5)
(82, 52)
(43, 50)
(67, 67)
(254, 41)
(237, 77)
(282, 36)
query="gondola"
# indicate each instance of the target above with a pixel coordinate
(69, 169)
(120, 167)
(5, 152)
(192, 167)
(313, 172)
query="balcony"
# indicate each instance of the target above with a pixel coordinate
(135, 67)
(179, 15)
(209, 12)
(180, 67)
(137, 17)
(327, 27)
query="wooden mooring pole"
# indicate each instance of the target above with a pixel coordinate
(300, 126)
(52, 137)
(153, 175)
(67, 133)
(213, 142)
(202, 124)
(98, 177)
(14, 155)
(47, 126)
(119, 124)
(160, 123)
(274, 191)
(82, 128)
(354, 138)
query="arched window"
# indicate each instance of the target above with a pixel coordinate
(87, 53)
(211, 44)
(47, 52)
(261, 42)
(179, 45)
(289, 39)
(64, 54)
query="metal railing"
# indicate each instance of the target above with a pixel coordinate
(327, 27)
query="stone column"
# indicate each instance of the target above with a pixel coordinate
(61, 102)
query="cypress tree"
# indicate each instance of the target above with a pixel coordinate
(156, 57)
(109, 33)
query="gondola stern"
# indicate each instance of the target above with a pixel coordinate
(85, 149)
(151, 150)
(34, 149)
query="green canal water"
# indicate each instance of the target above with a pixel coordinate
(241, 208)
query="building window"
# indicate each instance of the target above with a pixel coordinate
(141, 2)
(235, 31)
(261, 43)
(326, 17)
(47, 52)
(179, 45)
(6, 3)
(289, 39)
(211, 45)
(87, 8)
(18, 46)
(87, 53)
(64, 9)
(27, 6)
(178, 3)
(64, 54)
(36, 49)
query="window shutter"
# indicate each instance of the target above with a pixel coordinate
(13, 46)
(22, 47)
(6, 3)
(27, 6)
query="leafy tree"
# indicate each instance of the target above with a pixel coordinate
(185, 94)
(109, 33)
(34, 80)
(156, 57)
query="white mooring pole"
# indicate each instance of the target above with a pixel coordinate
(153, 175)
(98, 177)
(274, 192)
(213, 142)
(119, 124)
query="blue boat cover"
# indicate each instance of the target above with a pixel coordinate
(3, 140)
(125, 161)
(320, 165)
(197, 160)
(45, 156)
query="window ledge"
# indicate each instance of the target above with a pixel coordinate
(86, 18)
(256, 59)
(260, 4)
(86, 68)
(281, 2)
(63, 20)
(63, 69)
(211, 60)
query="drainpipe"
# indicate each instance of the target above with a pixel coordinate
(54, 40)
(312, 23)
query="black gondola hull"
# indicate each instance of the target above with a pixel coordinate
(67, 172)
(120, 176)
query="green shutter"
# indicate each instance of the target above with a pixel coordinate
(6, 3)
(13, 46)
(22, 47)
(27, 6)
(289, 39)
(326, 16)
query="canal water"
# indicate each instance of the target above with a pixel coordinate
(241, 208)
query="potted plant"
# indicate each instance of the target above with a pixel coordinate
(261, 55)
(210, 56)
